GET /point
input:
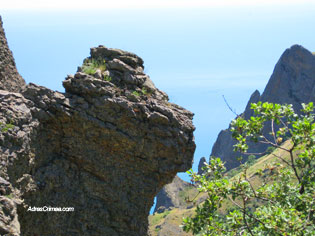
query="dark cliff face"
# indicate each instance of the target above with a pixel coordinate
(292, 82)
(105, 147)
(293, 79)
(10, 79)
(223, 146)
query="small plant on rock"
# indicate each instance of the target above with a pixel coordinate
(90, 66)
(5, 127)
(144, 91)
(136, 93)
(107, 78)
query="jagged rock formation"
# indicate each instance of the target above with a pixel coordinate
(169, 197)
(292, 82)
(105, 147)
(10, 79)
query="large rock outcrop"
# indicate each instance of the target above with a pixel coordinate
(105, 147)
(292, 82)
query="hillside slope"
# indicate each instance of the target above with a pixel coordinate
(168, 222)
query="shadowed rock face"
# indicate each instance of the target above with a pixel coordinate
(100, 148)
(292, 82)
(10, 79)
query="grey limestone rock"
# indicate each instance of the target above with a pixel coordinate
(92, 148)
(10, 79)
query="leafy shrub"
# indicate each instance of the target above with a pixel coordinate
(281, 204)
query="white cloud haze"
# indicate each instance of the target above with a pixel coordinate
(137, 4)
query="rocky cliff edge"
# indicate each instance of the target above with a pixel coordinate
(104, 147)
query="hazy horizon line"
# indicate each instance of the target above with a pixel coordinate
(140, 4)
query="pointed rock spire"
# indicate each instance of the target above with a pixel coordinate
(10, 79)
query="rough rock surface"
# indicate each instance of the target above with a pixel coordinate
(168, 197)
(292, 82)
(10, 79)
(104, 147)
(201, 165)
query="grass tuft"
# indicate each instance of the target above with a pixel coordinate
(90, 66)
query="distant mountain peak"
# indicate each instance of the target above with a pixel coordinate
(292, 82)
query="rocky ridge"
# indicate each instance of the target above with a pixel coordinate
(105, 147)
(10, 79)
(292, 82)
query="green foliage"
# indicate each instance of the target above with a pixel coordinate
(9, 196)
(143, 91)
(5, 127)
(90, 70)
(233, 172)
(157, 217)
(251, 160)
(284, 201)
(136, 93)
(107, 78)
(90, 66)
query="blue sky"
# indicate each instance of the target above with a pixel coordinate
(196, 51)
